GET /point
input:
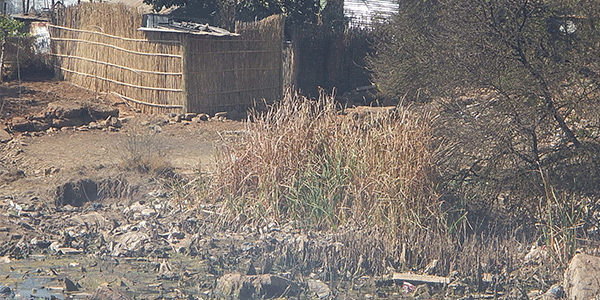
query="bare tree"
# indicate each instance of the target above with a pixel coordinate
(519, 87)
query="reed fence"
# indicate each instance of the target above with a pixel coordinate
(97, 46)
(236, 71)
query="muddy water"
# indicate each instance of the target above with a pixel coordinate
(42, 277)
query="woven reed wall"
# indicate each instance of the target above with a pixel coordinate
(233, 72)
(97, 46)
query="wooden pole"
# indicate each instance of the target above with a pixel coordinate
(185, 61)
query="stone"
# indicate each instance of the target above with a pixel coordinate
(189, 116)
(104, 292)
(582, 277)
(113, 121)
(256, 286)
(5, 290)
(5, 136)
(318, 287)
(554, 292)
(203, 117)
(222, 114)
(129, 243)
(70, 286)
(94, 125)
(69, 251)
(62, 123)
(92, 219)
(139, 211)
(101, 112)
(65, 109)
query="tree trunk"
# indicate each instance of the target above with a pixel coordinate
(2, 62)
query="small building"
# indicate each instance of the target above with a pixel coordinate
(166, 66)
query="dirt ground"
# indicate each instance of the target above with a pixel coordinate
(71, 153)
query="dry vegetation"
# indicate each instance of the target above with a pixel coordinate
(304, 161)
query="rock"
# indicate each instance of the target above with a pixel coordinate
(113, 121)
(62, 123)
(65, 109)
(40, 243)
(54, 246)
(68, 251)
(4, 136)
(5, 260)
(140, 211)
(222, 114)
(101, 112)
(129, 243)
(103, 292)
(320, 288)
(157, 128)
(582, 277)
(92, 219)
(70, 286)
(203, 117)
(554, 292)
(94, 125)
(256, 286)
(189, 116)
(5, 290)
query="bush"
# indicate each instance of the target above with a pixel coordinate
(514, 83)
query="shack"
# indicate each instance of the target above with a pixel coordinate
(158, 65)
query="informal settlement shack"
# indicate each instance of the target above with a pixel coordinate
(167, 66)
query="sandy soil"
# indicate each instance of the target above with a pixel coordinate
(45, 159)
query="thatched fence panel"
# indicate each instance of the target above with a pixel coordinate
(144, 69)
(99, 47)
(233, 72)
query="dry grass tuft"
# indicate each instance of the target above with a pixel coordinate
(305, 161)
(142, 152)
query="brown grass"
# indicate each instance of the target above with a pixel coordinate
(305, 161)
(142, 152)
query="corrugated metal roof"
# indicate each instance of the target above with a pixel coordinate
(363, 11)
(162, 23)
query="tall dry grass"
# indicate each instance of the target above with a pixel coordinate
(304, 160)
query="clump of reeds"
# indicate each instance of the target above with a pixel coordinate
(303, 160)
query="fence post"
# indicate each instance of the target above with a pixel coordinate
(185, 55)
